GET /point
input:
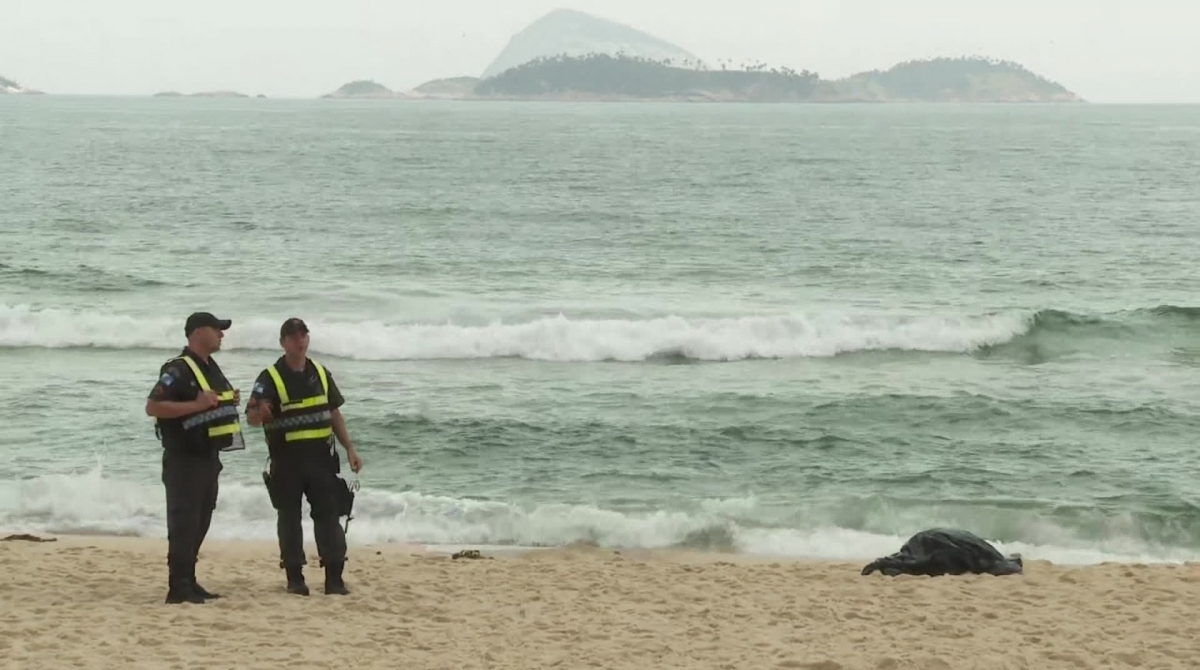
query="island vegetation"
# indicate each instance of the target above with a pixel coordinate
(963, 79)
(600, 76)
(603, 76)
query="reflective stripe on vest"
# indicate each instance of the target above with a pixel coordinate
(212, 415)
(218, 417)
(286, 404)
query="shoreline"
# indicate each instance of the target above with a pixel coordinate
(690, 555)
(268, 550)
(97, 602)
(131, 540)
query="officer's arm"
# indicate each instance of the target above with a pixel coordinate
(258, 408)
(172, 409)
(339, 422)
(339, 429)
(164, 402)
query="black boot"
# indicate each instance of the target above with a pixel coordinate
(204, 593)
(295, 580)
(333, 580)
(183, 592)
(181, 589)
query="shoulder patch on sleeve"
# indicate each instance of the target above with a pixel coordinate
(166, 379)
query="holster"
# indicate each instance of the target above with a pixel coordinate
(272, 489)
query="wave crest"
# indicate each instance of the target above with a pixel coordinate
(553, 338)
(667, 339)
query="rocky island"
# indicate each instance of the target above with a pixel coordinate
(950, 80)
(604, 77)
(613, 78)
(364, 88)
(10, 87)
(571, 56)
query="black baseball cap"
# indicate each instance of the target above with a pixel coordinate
(293, 326)
(204, 319)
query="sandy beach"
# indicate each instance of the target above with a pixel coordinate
(97, 602)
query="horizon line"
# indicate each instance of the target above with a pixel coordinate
(401, 98)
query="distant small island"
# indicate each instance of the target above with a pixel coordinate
(363, 88)
(10, 87)
(605, 77)
(961, 79)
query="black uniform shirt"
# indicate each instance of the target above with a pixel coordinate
(177, 383)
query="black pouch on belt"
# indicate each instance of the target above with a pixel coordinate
(345, 498)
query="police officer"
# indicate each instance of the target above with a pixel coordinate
(297, 402)
(195, 410)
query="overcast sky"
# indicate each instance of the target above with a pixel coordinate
(1104, 50)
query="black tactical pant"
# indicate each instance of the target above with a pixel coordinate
(309, 471)
(191, 483)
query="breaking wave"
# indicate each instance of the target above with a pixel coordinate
(668, 338)
(855, 530)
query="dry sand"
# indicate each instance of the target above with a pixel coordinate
(85, 602)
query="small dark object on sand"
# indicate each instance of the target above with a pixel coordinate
(26, 537)
(942, 551)
(468, 553)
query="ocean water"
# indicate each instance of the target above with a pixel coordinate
(803, 331)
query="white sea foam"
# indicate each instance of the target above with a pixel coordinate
(92, 503)
(554, 338)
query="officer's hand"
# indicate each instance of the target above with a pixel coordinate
(355, 460)
(264, 411)
(207, 400)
